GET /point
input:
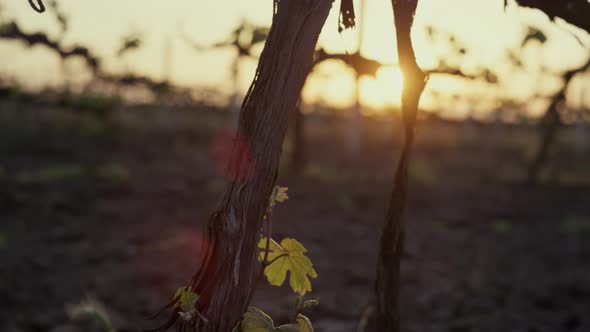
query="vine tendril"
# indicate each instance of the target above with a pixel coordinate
(39, 7)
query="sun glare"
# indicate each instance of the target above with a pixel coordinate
(384, 91)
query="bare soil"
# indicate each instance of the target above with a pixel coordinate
(113, 208)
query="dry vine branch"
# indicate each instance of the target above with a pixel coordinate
(40, 8)
(361, 65)
(368, 67)
(387, 285)
(13, 31)
(243, 39)
(550, 124)
(228, 270)
(485, 75)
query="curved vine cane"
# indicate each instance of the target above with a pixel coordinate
(39, 8)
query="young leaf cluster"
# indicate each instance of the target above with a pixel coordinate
(277, 260)
(255, 320)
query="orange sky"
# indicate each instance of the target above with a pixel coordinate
(482, 25)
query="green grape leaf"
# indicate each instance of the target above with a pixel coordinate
(304, 323)
(255, 320)
(288, 256)
(186, 299)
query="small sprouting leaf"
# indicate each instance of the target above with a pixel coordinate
(288, 256)
(278, 195)
(186, 302)
(311, 303)
(502, 226)
(255, 320)
(304, 323)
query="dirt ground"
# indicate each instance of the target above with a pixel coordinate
(113, 209)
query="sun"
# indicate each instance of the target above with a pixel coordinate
(334, 83)
(384, 91)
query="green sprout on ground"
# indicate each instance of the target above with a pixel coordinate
(91, 126)
(90, 310)
(113, 173)
(440, 226)
(424, 172)
(575, 225)
(51, 174)
(502, 226)
(323, 173)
